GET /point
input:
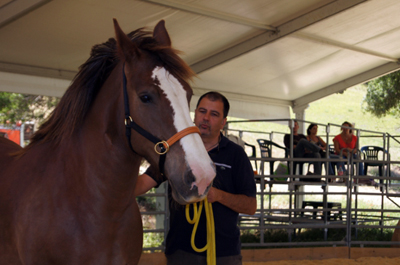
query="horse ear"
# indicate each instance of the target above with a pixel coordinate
(126, 48)
(161, 35)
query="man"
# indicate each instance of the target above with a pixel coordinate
(233, 192)
(303, 148)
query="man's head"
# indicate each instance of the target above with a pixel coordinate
(214, 96)
(295, 126)
(210, 114)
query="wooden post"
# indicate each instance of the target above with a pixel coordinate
(396, 235)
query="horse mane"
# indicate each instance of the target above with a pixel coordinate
(71, 111)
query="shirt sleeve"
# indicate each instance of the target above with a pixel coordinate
(245, 182)
(335, 139)
(155, 174)
(286, 140)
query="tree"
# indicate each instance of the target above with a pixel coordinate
(22, 107)
(383, 95)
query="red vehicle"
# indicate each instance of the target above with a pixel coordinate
(14, 133)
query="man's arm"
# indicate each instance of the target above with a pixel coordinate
(237, 202)
(143, 184)
(286, 140)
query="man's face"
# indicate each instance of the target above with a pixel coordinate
(209, 117)
(296, 126)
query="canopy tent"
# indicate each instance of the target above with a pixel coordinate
(264, 55)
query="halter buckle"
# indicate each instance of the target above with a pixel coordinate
(163, 146)
(129, 118)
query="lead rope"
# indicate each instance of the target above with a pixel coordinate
(210, 245)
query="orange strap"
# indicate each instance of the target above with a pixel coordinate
(176, 137)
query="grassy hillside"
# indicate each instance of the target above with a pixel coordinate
(347, 106)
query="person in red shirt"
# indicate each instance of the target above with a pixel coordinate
(346, 145)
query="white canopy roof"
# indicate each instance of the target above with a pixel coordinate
(264, 55)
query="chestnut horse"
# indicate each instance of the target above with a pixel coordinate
(67, 198)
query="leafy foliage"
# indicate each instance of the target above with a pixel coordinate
(153, 240)
(383, 95)
(15, 107)
(317, 234)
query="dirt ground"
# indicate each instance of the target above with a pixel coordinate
(304, 256)
(359, 261)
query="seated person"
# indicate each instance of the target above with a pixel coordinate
(312, 137)
(303, 148)
(345, 145)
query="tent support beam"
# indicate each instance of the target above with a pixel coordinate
(213, 14)
(342, 45)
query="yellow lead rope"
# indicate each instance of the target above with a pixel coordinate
(210, 245)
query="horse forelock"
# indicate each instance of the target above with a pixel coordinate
(78, 98)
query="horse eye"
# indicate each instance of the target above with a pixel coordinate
(145, 98)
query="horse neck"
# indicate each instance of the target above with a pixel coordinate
(103, 135)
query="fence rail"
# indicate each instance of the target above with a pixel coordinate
(292, 207)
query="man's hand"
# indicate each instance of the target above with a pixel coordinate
(144, 184)
(213, 194)
(238, 202)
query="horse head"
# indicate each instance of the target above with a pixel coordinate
(157, 100)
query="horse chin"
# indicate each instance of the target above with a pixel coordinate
(186, 200)
(190, 196)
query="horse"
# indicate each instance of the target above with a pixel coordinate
(67, 197)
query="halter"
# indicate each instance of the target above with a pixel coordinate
(161, 147)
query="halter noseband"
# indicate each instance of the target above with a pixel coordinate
(161, 147)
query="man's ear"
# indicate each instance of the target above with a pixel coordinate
(194, 116)
(223, 122)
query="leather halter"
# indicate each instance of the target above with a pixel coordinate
(161, 147)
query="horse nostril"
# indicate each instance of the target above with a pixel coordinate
(208, 187)
(189, 178)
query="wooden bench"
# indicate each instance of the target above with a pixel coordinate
(333, 206)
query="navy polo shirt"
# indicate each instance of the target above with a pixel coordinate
(234, 175)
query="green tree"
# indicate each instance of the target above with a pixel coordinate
(22, 107)
(383, 95)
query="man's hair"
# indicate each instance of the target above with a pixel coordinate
(214, 96)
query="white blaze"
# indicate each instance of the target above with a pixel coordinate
(195, 152)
